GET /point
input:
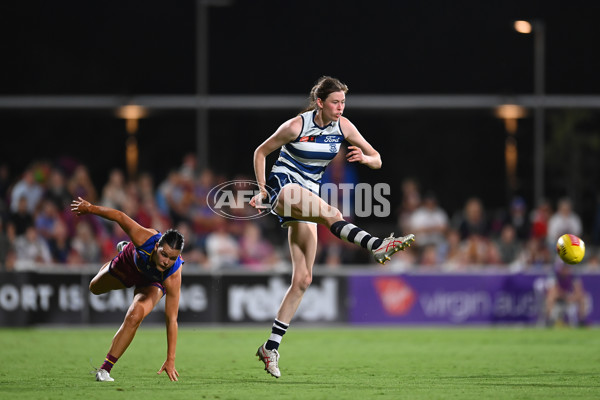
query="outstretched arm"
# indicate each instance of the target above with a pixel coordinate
(286, 133)
(360, 151)
(173, 289)
(135, 231)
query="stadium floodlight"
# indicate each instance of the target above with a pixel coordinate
(510, 113)
(522, 26)
(131, 113)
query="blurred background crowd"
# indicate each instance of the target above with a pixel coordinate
(38, 230)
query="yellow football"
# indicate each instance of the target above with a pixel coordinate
(570, 248)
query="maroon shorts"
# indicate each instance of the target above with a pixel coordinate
(123, 268)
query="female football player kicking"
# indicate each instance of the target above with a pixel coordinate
(308, 143)
(152, 263)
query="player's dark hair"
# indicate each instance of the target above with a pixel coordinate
(323, 88)
(173, 238)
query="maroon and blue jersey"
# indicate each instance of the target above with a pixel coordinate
(132, 265)
(141, 258)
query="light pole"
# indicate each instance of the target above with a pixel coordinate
(202, 125)
(538, 29)
(202, 74)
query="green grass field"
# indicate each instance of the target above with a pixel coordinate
(331, 363)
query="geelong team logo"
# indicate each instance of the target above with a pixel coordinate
(232, 200)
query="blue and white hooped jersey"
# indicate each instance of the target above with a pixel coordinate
(304, 160)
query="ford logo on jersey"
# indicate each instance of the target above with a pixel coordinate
(332, 139)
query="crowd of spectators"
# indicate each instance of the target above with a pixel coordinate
(38, 230)
(514, 238)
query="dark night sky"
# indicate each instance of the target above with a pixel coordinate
(273, 46)
(281, 47)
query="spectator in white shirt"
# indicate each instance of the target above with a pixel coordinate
(429, 223)
(31, 250)
(564, 220)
